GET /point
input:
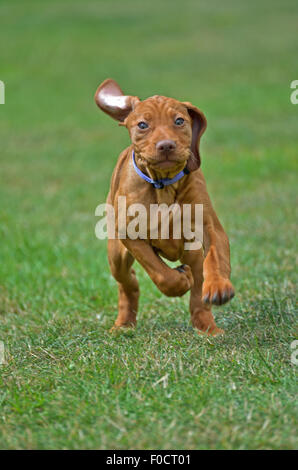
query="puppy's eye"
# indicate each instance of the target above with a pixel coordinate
(179, 121)
(142, 125)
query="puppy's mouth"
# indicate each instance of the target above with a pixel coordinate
(166, 163)
(169, 161)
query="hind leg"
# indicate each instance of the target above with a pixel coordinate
(201, 315)
(120, 261)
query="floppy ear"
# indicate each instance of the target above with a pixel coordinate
(111, 99)
(199, 124)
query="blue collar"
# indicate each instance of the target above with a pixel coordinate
(158, 184)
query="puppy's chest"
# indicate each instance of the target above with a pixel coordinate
(169, 249)
(165, 231)
(160, 220)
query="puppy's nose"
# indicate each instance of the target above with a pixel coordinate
(165, 146)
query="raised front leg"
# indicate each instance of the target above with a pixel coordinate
(201, 315)
(171, 282)
(217, 287)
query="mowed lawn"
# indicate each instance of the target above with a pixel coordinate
(67, 383)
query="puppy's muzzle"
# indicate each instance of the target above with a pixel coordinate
(165, 146)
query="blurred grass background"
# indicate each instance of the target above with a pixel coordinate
(66, 382)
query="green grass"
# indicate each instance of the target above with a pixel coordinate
(67, 383)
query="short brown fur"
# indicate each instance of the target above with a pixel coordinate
(205, 272)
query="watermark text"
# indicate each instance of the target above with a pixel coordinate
(2, 92)
(154, 222)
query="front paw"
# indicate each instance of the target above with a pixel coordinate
(178, 282)
(217, 291)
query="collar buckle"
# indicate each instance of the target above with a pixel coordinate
(158, 185)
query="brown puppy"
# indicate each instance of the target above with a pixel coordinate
(165, 135)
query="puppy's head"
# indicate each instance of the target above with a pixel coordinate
(164, 132)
